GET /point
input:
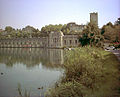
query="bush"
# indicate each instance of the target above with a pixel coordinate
(89, 72)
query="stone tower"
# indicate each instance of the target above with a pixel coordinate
(94, 18)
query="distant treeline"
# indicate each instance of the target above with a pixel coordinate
(110, 32)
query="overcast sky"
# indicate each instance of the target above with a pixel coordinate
(38, 13)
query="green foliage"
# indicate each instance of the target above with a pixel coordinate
(70, 89)
(9, 29)
(48, 28)
(28, 31)
(102, 31)
(65, 29)
(84, 40)
(91, 36)
(89, 72)
(109, 24)
(111, 32)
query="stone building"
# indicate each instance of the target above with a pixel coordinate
(56, 39)
(71, 40)
(53, 40)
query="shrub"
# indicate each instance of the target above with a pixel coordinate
(89, 72)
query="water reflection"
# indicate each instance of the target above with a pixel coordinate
(33, 68)
(31, 56)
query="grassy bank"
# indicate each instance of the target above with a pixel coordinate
(89, 72)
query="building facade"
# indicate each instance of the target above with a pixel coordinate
(54, 40)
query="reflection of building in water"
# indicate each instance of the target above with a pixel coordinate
(31, 56)
(56, 56)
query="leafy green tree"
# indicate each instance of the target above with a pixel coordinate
(0, 34)
(110, 24)
(84, 40)
(30, 31)
(9, 29)
(19, 34)
(48, 28)
(65, 29)
(110, 32)
(1, 31)
(91, 36)
(13, 34)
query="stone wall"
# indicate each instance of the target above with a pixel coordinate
(70, 40)
(24, 42)
(54, 40)
(94, 18)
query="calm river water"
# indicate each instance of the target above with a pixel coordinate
(33, 69)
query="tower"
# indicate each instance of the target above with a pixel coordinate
(94, 18)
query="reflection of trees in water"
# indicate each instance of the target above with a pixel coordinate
(31, 56)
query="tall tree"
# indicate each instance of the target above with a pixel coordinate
(9, 29)
(91, 36)
(48, 28)
(111, 32)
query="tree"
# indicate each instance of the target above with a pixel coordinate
(13, 34)
(9, 29)
(65, 29)
(111, 32)
(91, 36)
(29, 31)
(48, 28)
(1, 31)
(19, 33)
(110, 24)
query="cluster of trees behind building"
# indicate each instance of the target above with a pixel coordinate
(29, 31)
(90, 35)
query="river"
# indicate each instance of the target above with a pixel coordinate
(35, 70)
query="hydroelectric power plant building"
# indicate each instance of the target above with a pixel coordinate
(53, 40)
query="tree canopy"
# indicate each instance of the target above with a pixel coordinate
(111, 32)
(91, 36)
(48, 28)
(28, 31)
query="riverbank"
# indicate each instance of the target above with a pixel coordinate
(89, 72)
